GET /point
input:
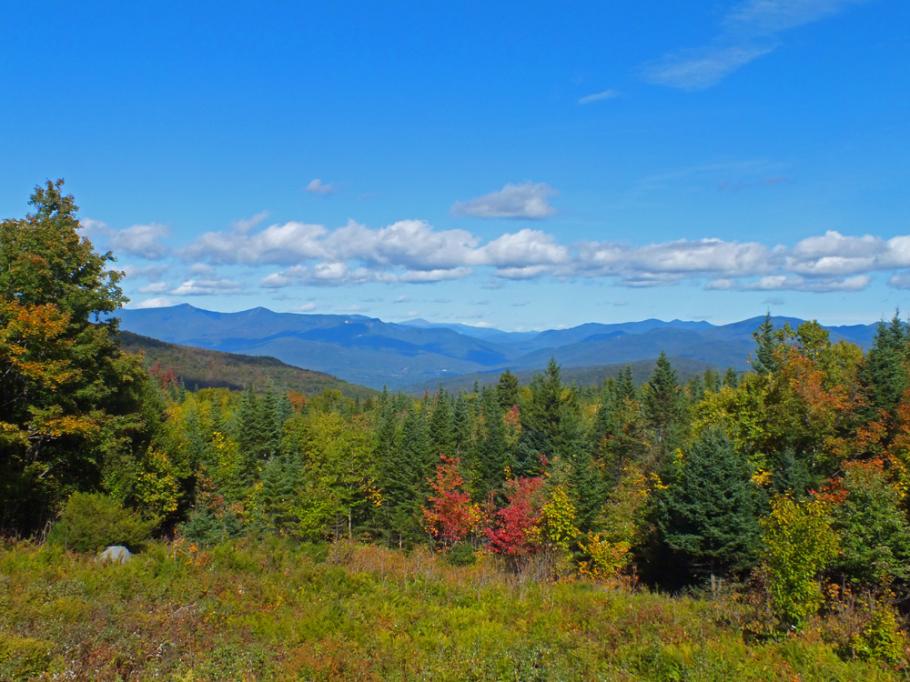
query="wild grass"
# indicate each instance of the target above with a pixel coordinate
(272, 610)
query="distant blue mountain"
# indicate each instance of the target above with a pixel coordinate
(368, 351)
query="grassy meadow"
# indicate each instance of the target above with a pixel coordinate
(279, 611)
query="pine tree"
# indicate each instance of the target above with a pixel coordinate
(708, 516)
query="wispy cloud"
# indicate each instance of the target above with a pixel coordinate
(247, 224)
(701, 68)
(774, 16)
(598, 97)
(749, 31)
(527, 200)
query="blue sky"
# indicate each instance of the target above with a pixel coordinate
(520, 165)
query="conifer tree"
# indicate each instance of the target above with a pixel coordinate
(664, 408)
(543, 423)
(490, 454)
(708, 516)
(507, 390)
(442, 427)
(884, 374)
(618, 434)
(767, 341)
(461, 426)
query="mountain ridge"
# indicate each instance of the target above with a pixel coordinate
(372, 352)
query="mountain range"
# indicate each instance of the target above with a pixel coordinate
(368, 351)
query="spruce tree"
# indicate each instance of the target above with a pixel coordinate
(541, 423)
(664, 408)
(884, 374)
(442, 427)
(708, 516)
(507, 390)
(461, 426)
(767, 341)
(490, 455)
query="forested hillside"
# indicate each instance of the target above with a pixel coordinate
(325, 536)
(197, 368)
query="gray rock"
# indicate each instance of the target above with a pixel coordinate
(115, 554)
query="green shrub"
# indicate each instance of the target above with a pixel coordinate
(206, 528)
(461, 554)
(91, 521)
(23, 657)
(882, 638)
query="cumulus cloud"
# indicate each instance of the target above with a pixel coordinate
(414, 252)
(900, 280)
(797, 283)
(160, 302)
(526, 200)
(205, 287)
(145, 241)
(317, 186)
(154, 288)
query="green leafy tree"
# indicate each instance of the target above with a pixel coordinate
(799, 545)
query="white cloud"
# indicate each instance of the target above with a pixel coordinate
(598, 97)
(145, 241)
(305, 308)
(160, 302)
(205, 287)
(796, 283)
(900, 280)
(154, 288)
(525, 247)
(526, 200)
(414, 251)
(285, 243)
(317, 186)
